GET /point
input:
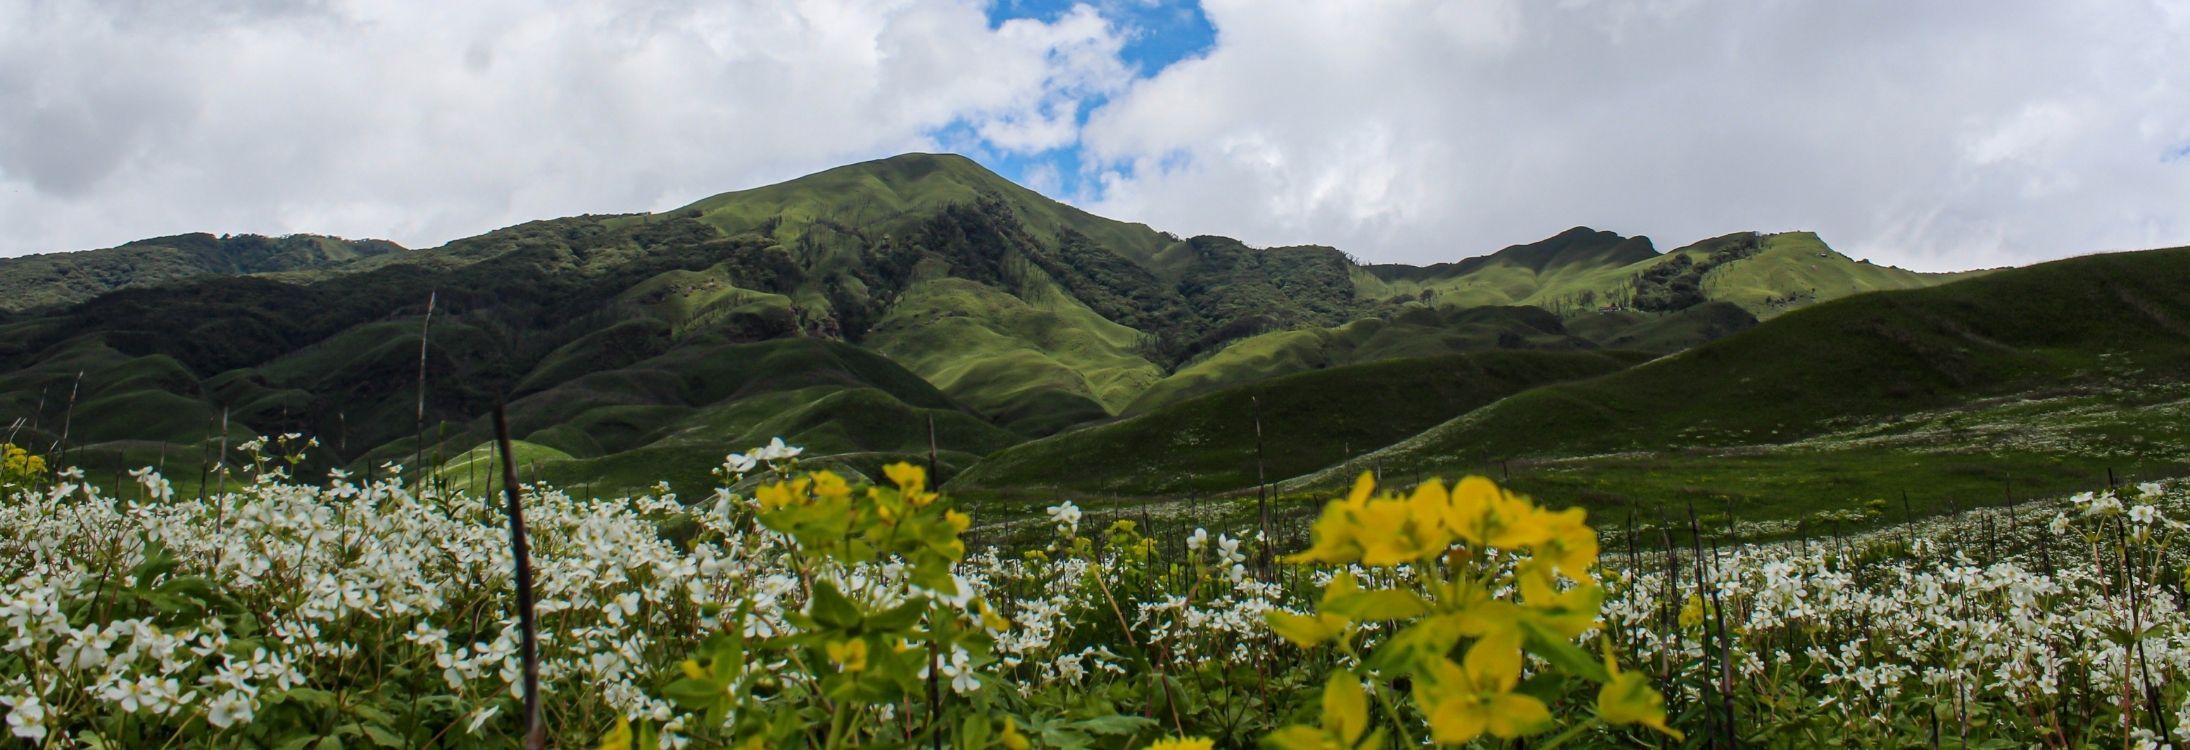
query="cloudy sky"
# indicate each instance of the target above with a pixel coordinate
(1930, 135)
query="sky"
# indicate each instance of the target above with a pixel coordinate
(1935, 136)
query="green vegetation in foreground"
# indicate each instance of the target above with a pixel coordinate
(1310, 420)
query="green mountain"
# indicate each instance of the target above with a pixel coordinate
(846, 310)
(57, 279)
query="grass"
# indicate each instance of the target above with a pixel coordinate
(1310, 420)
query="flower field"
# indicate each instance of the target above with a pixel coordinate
(813, 611)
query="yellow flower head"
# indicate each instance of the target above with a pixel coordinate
(1485, 515)
(829, 486)
(782, 494)
(907, 477)
(1477, 697)
(850, 655)
(1184, 743)
(1571, 546)
(1012, 739)
(1628, 698)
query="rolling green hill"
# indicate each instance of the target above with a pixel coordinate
(646, 345)
(1582, 270)
(57, 279)
(1812, 399)
(1310, 420)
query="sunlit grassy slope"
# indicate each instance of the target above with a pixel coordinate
(1033, 366)
(876, 193)
(1583, 269)
(1309, 419)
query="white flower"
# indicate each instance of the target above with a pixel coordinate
(231, 708)
(28, 719)
(1066, 516)
(479, 718)
(1228, 551)
(1199, 540)
(960, 670)
(775, 450)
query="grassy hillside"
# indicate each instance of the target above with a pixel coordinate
(57, 279)
(884, 192)
(1803, 391)
(1035, 367)
(1415, 331)
(1310, 420)
(1583, 270)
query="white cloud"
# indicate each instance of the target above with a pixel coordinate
(1925, 134)
(1930, 135)
(422, 121)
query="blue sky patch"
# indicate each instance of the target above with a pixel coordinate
(1158, 33)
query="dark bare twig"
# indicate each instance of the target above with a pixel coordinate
(521, 551)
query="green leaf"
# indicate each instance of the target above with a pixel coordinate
(831, 609)
(1305, 631)
(1115, 724)
(697, 695)
(1409, 650)
(382, 737)
(1295, 738)
(1562, 653)
(899, 618)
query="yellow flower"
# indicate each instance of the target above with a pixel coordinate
(1485, 515)
(1337, 531)
(829, 486)
(781, 494)
(1692, 612)
(993, 621)
(907, 477)
(1012, 739)
(1629, 699)
(850, 655)
(1393, 531)
(1477, 697)
(1570, 612)
(959, 522)
(618, 738)
(1572, 546)
(1184, 743)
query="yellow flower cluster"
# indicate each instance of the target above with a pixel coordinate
(1460, 541)
(18, 467)
(1388, 530)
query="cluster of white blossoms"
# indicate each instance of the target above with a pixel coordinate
(213, 612)
(1991, 612)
